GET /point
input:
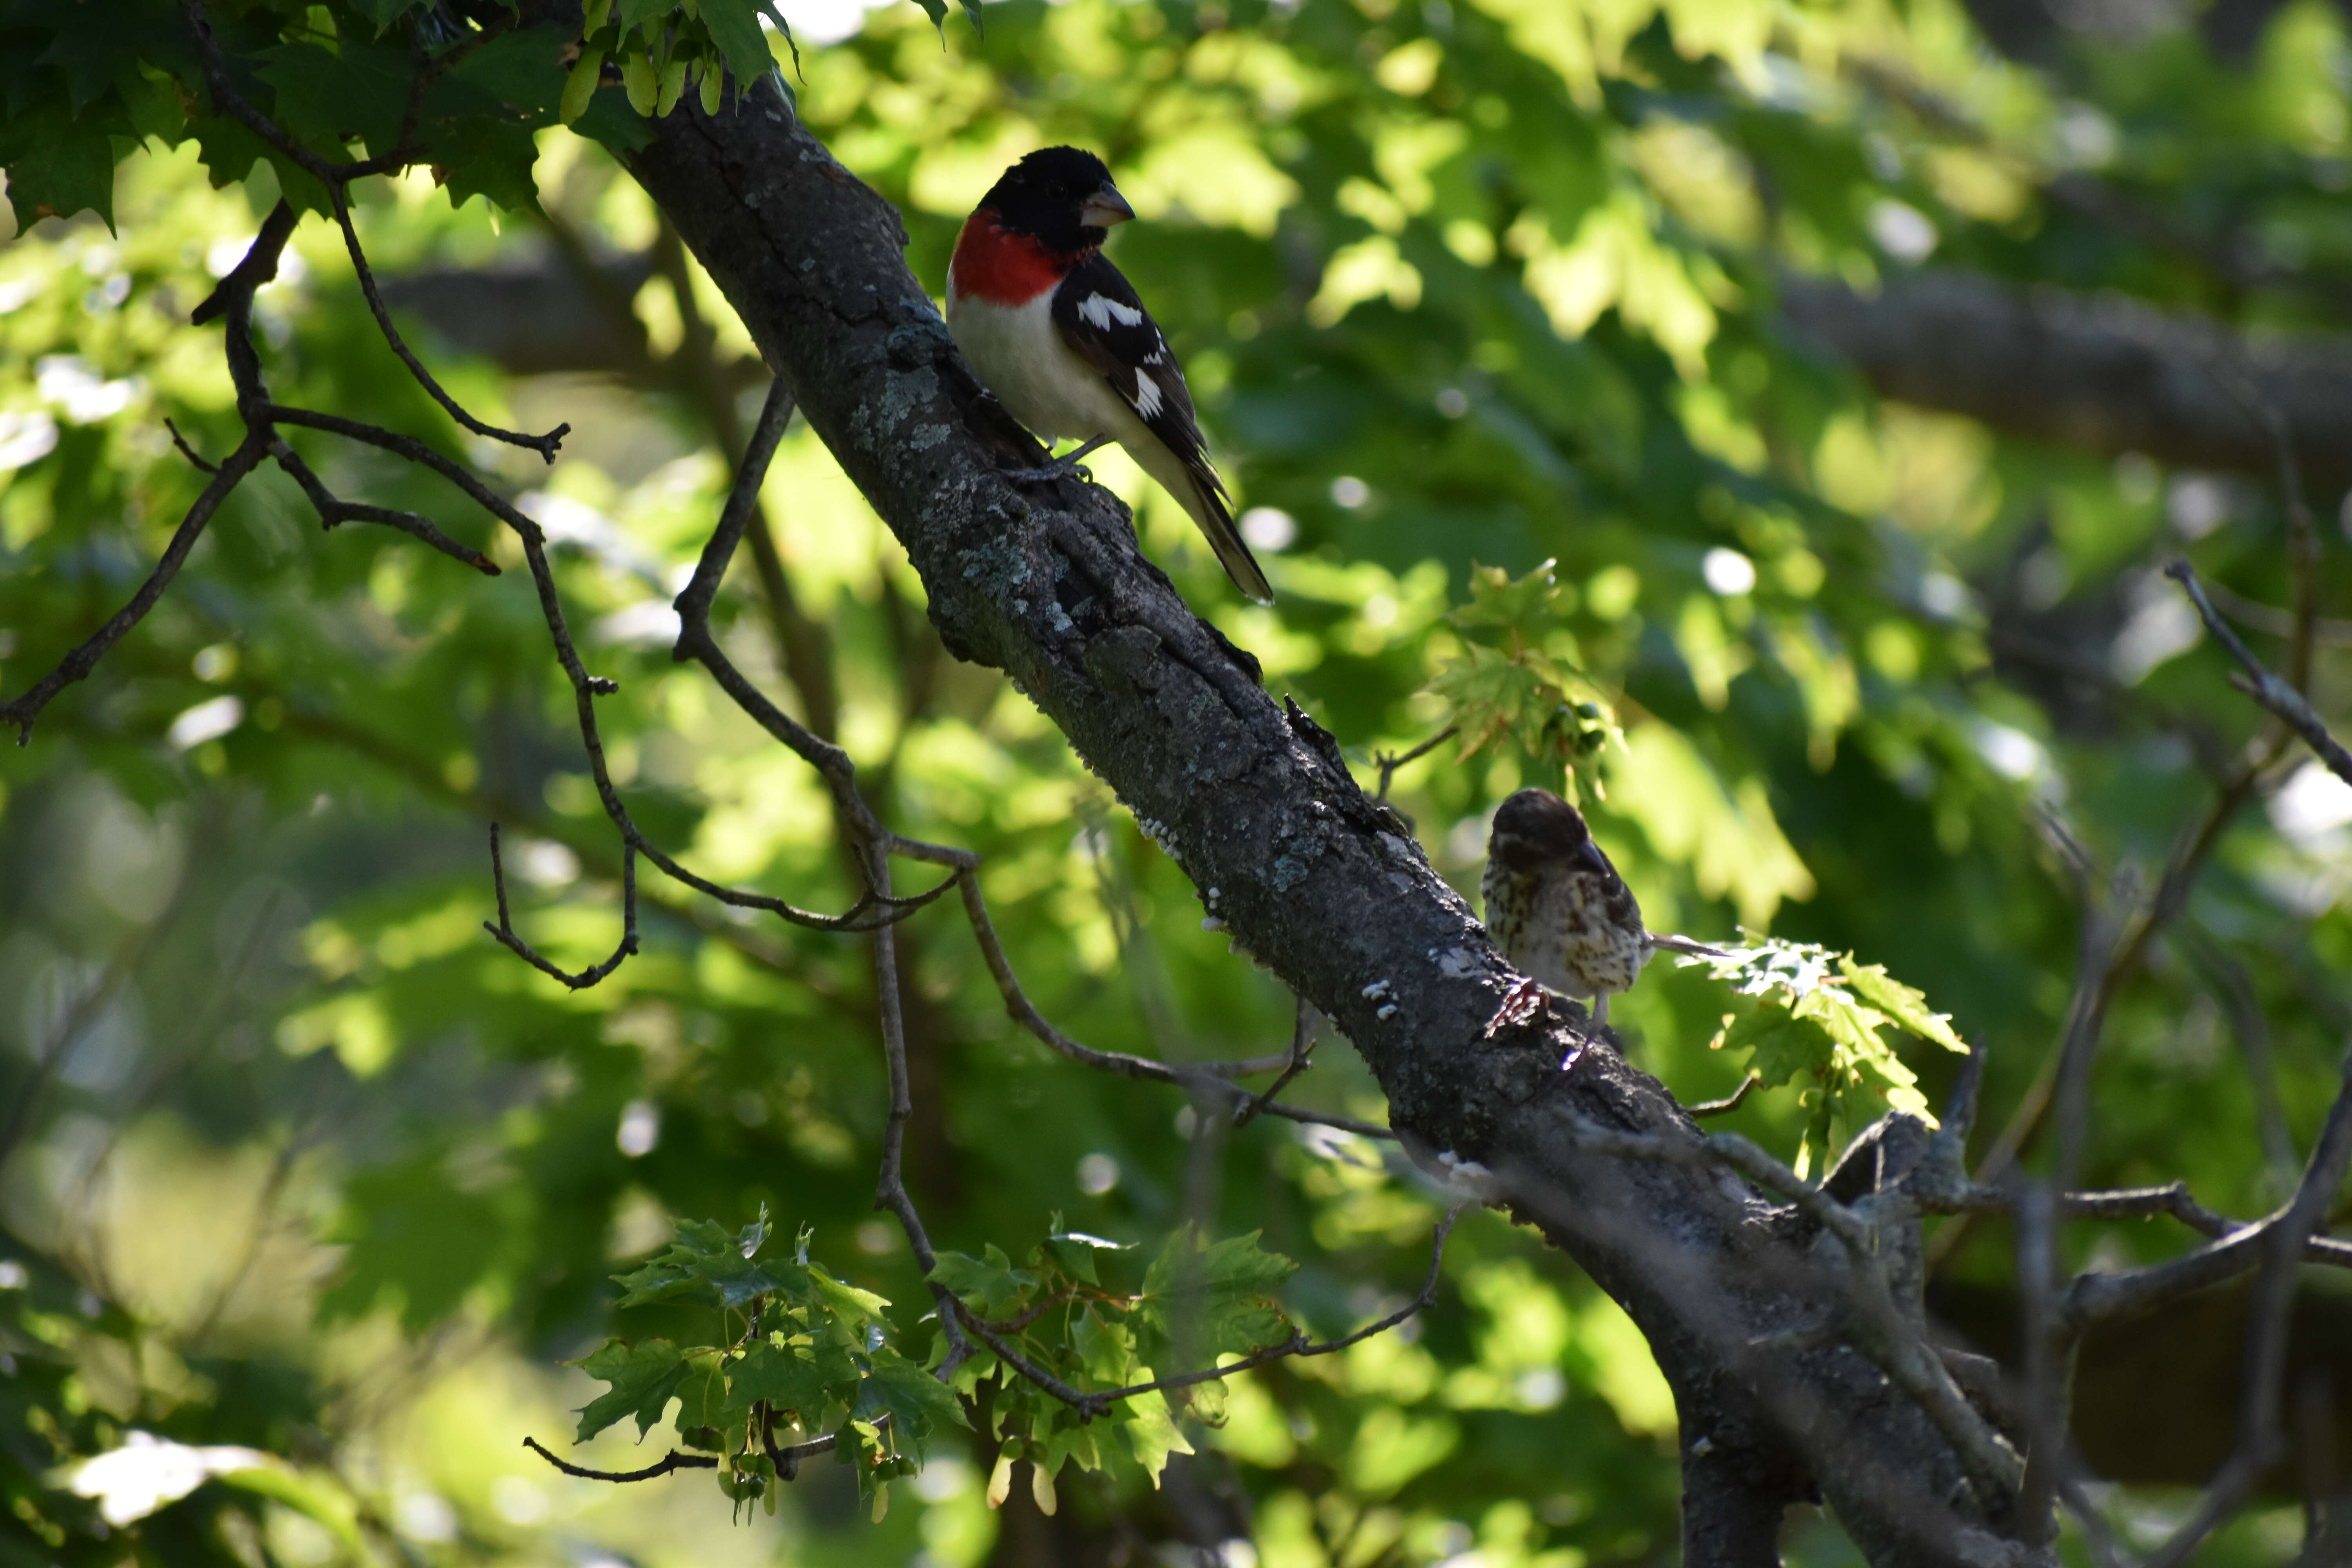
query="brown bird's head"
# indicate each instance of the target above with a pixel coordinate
(1536, 831)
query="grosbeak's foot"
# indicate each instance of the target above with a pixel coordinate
(1522, 1001)
(1061, 470)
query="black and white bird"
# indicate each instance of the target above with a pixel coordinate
(1057, 332)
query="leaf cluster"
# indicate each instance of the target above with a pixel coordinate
(1198, 1302)
(1807, 1012)
(806, 1354)
(1515, 679)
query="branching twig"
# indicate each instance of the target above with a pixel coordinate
(1214, 1077)
(1302, 1048)
(75, 666)
(336, 178)
(2284, 701)
(1388, 763)
(2260, 1441)
(333, 510)
(504, 930)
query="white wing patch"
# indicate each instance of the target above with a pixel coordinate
(1100, 311)
(1147, 395)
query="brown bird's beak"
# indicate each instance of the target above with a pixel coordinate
(1105, 207)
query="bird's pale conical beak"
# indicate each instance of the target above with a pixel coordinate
(1105, 207)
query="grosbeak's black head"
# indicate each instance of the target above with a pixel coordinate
(1535, 830)
(1063, 196)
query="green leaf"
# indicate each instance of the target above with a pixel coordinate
(631, 13)
(521, 72)
(58, 165)
(803, 1378)
(643, 1376)
(734, 26)
(937, 10)
(705, 1263)
(612, 122)
(1105, 1349)
(1216, 1298)
(1152, 1431)
(847, 1301)
(673, 87)
(1499, 600)
(1073, 1251)
(1900, 1002)
(992, 1286)
(384, 13)
(919, 1404)
(644, 86)
(324, 95)
(1784, 1046)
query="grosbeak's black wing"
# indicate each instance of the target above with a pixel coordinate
(1098, 314)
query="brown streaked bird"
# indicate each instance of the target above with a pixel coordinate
(1559, 910)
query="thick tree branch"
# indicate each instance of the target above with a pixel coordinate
(2107, 375)
(1258, 805)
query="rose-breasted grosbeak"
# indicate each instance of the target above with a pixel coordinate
(1057, 334)
(1559, 909)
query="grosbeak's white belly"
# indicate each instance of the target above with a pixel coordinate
(1020, 355)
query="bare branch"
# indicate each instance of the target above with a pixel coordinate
(2284, 701)
(2094, 1297)
(504, 930)
(1388, 763)
(673, 1460)
(333, 510)
(75, 666)
(1302, 1046)
(890, 1185)
(1730, 1103)
(2260, 1440)
(1214, 1077)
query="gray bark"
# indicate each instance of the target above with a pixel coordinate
(1312, 878)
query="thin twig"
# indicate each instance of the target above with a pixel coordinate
(2096, 1296)
(1730, 1103)
(75, 666)
(1210, 1077)
(1388, 763)
(673, 1460)
(891, 1184)
(1302, 1048)
(2261, 1440)
(336, 178)
(504, 930)
(2283, 700)
(202, 464)
(334, 510)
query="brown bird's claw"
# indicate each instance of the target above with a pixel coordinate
(1523, 1002)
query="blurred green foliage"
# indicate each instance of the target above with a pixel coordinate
(307, 1174)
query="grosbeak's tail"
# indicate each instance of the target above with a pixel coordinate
(1216, 520)
(1685, 945)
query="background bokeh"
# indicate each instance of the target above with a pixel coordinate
(297, 1158)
